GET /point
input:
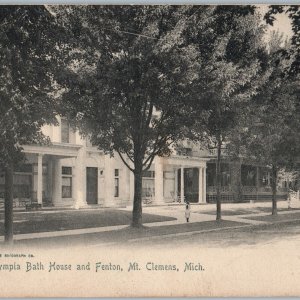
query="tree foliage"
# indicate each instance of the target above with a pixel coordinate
(133, 96)
(271, 128)
(26, 55)
(229, 75)
(25, 80)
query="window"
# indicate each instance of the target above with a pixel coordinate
(150, 174)
(116, 182)
(65, 131)
(148, 186)
(66, 184)
(185, 151)
(66, 170)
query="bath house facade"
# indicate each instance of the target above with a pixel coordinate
(71, 172)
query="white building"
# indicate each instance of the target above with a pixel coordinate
(70, 172)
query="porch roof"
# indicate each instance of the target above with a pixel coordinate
(186, 161)
(55, 149)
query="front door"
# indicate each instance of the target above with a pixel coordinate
(91, 185)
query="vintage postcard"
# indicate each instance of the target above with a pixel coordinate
(149, 150)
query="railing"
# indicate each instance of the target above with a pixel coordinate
(249, 189)
(245, 189)
(224, 198)
(223, 189)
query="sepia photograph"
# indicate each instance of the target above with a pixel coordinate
(150, 150)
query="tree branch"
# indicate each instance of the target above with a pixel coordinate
(126, 164)
(150, 163)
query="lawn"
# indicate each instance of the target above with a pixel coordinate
(254, 210)
(125, 235)
(190, 227)
(278, 218)
(45, 221)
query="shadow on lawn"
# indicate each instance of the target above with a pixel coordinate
(45, 221)
(246, 236)
(255, 235)
(125, 236)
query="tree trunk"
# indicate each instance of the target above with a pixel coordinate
(137, 201)
(218, 175)
(8, 206)
(274, 190)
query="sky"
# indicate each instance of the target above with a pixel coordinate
(282, 22)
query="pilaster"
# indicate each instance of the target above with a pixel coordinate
(80, 179)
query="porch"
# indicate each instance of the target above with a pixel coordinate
(41, 181)
(175, 179)
(242, 182)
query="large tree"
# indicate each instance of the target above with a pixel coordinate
(228, 75)
(271, 127)
(25, 88)
(131, 97)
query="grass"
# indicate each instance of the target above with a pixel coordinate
(278, 218)
(254, 210)
(190, 227)
(45, 221)
(125, 235)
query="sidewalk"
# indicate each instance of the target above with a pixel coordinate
(202, 220)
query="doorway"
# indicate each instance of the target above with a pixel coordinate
(91, 185)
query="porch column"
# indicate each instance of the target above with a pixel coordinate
(182, 184)
(176, 184)
(204, 185)
(200, 193)
(80, 179)
(159, 181)
(40, 179)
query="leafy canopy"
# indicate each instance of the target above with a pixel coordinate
(25, 78)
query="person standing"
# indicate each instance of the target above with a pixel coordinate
(187, 212)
